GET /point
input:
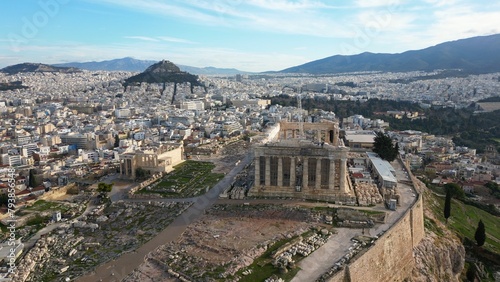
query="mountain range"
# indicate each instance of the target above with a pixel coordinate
(472, 55)
(135, 65)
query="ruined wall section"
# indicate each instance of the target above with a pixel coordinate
(391, 257)
(417, 221)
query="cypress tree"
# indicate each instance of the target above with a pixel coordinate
(447, 205)
(32, 180)
(471, 273)
(480, 234)
(117, 141)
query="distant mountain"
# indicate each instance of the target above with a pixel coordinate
(135, 65)
(472, 55)
(211, 70)
(35, 67)
(124, 64)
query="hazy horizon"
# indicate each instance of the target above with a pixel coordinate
(255, 35)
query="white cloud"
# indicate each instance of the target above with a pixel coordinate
(285, 5)
(440, 3)
(175, 40)
(161, 38)
(456, 23)
(377, 3)
(303, 17)
(144, 38)
(162, 8)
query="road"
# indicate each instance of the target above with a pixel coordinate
(319, 262)
(119, 268)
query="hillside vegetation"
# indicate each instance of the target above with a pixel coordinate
(463, 222)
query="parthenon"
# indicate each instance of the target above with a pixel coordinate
(300, 167)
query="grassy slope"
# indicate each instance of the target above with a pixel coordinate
(464, 219)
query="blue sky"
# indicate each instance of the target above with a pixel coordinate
(251, 35)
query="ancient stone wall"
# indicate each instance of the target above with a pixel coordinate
(391, 257)
(56, 192)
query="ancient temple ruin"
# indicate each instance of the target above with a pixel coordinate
(306, 161)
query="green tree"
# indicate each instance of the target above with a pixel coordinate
(447, 205)
(141, 173)
(4, 199)
(117, 141)
(471, 273)
(384, 148)
(33, 181)
(480, 234)
(104, 189)
(455, 190)
(494, 189)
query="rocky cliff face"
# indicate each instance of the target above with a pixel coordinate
(440, 256)
(438, 259)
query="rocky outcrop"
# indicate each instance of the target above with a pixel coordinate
(438, 259)
(440, 256)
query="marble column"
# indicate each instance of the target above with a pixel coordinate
(257, 171)
(305, 173)
(343, 169)
(318, 173)
(292, 172)
(331, 177)
(280, 172)
(268, 171)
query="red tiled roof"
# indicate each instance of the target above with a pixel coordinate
(24, 192)
(38, 188)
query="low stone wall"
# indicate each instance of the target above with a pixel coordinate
(133, 190)
(55, 193)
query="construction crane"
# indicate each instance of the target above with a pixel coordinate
(299, 105)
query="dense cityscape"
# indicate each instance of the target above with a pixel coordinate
(90, 164)
(250, 141)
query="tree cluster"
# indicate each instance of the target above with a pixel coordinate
(494, 189)
(104, 189)
(384, 147)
